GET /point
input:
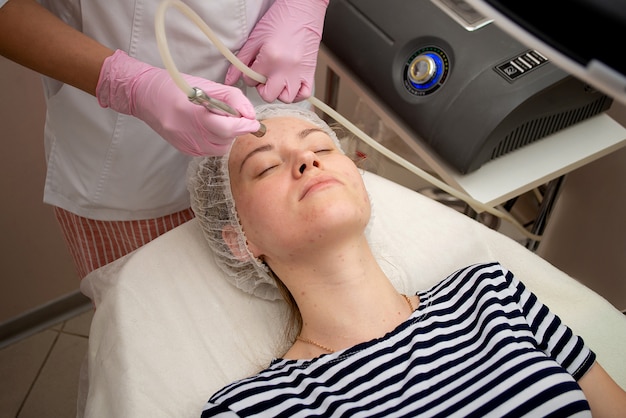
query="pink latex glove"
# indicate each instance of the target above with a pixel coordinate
(132, 87)
(283, 46)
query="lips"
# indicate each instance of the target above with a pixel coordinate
(316, 183)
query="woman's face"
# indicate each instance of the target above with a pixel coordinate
(294, 190)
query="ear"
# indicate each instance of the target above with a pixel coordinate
(231, 236)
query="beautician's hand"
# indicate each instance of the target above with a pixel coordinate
(283, 46)
(132, 87)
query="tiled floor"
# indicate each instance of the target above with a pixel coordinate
(39, 374)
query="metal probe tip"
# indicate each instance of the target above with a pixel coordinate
(261, 131)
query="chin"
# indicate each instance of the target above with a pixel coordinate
(344, 222)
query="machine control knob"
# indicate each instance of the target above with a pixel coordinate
(422, 69)
(426, 70)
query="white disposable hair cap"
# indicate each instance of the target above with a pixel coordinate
(213, 204)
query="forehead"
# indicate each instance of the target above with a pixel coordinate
(279, 130)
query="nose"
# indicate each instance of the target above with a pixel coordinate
(303, 167)
(306, 161)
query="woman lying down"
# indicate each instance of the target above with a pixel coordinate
(287, 214)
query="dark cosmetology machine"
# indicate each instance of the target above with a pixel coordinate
(467, 88)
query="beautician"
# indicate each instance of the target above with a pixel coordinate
(119, 133)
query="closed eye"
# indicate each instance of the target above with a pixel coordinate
(266, 170)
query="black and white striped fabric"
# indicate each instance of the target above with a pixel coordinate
(479, 344)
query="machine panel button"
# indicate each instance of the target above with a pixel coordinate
(520, 65)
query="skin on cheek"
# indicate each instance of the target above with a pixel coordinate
(262, 221)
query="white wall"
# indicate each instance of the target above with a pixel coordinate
(586, 235)
(35, 266)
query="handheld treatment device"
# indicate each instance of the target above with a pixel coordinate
(218, 107)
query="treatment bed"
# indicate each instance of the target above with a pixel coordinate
(169, 330)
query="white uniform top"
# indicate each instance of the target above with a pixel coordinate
(108, 166)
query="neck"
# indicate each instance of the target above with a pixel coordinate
(344, 297)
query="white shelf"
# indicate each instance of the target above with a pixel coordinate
(535, 164)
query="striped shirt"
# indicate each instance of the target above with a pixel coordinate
(479, 344)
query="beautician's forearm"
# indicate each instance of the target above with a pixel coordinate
(35, 38)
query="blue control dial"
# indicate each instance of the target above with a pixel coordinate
(426, 70)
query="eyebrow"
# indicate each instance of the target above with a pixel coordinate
(268, 147)
(306, 132)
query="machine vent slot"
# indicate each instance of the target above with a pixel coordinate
(533, 130)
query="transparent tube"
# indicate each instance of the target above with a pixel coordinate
(185, 87)
(164, 49)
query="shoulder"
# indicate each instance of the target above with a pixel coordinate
(263, 380)
(473, 280)
(481, 272)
